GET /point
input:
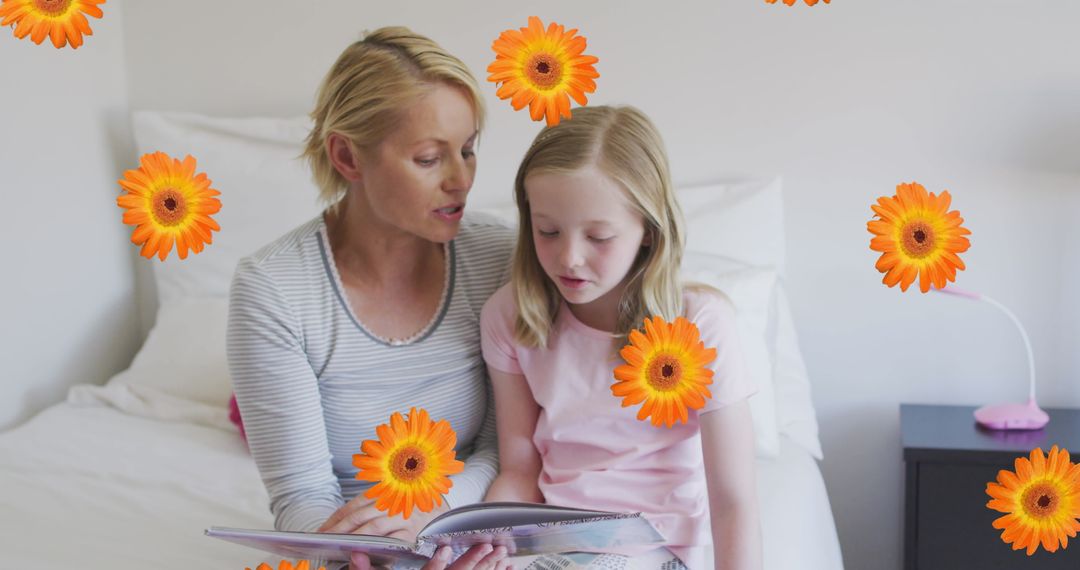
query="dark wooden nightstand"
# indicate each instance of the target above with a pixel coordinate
(949, 460)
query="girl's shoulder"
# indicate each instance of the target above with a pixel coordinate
(500, 305)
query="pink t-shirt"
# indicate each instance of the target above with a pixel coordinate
(597, 454)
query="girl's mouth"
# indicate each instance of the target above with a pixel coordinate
(571, 283)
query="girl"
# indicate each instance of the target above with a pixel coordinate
(600, 242)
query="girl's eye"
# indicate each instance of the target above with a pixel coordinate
(546, 234)
(601, 239)
(426, 161)
(468, 153)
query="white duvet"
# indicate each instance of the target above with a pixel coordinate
(115, 479)
(88, 486)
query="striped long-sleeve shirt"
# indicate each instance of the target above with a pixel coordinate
(312, 383)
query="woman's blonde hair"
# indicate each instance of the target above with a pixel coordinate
(625, 145)
(368, 89)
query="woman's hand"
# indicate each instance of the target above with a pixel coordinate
(359, 516)
(479, 557)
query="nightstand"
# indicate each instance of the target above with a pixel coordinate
(949, 460)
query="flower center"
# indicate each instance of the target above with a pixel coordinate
(918, 239)
(664, 373)
(544, 71)
(170, 208)
(1040, 501)
(52, 7)
(408, 464)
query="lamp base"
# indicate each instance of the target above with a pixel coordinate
(1012, 416)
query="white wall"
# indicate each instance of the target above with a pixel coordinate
(65, 299)
(845, 100)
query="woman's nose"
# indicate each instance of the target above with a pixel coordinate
(458, 176)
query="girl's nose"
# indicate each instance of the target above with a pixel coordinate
(571, 256)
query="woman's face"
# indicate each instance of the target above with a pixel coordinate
(417, 178)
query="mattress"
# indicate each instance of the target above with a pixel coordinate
(100, 482)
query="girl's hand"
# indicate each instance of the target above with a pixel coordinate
(479, 557)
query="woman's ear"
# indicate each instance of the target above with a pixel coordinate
(646, 240)
(343, 156)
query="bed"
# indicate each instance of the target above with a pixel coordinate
(129, 474)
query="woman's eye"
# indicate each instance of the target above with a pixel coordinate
(601, 239)
(468, 153)
(426, 161)
(546, 234)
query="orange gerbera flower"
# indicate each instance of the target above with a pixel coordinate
(790, 2)
(666, 369)
(60, 20)
(168, 203)
(411, 461)
(286, 565)
(542, 69)
(1042, 499)
(917, 236)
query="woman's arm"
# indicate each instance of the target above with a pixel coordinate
(482, 466)
(727, 444)
(515, 412)
(279, 399)
(360, 515)
(469, 486)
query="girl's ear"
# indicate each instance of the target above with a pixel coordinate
(343, 156)
(646, 240)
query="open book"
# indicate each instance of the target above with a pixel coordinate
(524, 528)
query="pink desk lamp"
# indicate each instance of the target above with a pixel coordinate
(1008, 416)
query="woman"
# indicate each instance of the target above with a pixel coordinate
(373, 306)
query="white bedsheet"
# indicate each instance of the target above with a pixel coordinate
(97, 488)
(98, 483)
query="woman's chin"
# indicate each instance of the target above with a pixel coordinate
(442, 233)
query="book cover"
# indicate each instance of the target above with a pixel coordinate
(525, 529)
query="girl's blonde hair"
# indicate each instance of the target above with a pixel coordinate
(625, 145)
(368, 90)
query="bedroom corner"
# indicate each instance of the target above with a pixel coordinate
(68, 296)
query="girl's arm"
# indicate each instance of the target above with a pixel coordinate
(727, 443)
(515, 418)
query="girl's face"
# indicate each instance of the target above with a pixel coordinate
(417, 178)
(586, 232)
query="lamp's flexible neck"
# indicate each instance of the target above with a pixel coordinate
(1016, 321)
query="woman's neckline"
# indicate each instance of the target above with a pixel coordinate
(449, 268)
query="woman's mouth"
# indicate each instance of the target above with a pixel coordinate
(571, 283)
(451, 213)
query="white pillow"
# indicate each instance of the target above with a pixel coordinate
(794, 407)
(266, 190)
(740, 220)
(751, 291)
(184, 354)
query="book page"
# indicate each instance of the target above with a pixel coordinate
(331, 547)
(601, 532)
(494, 515)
